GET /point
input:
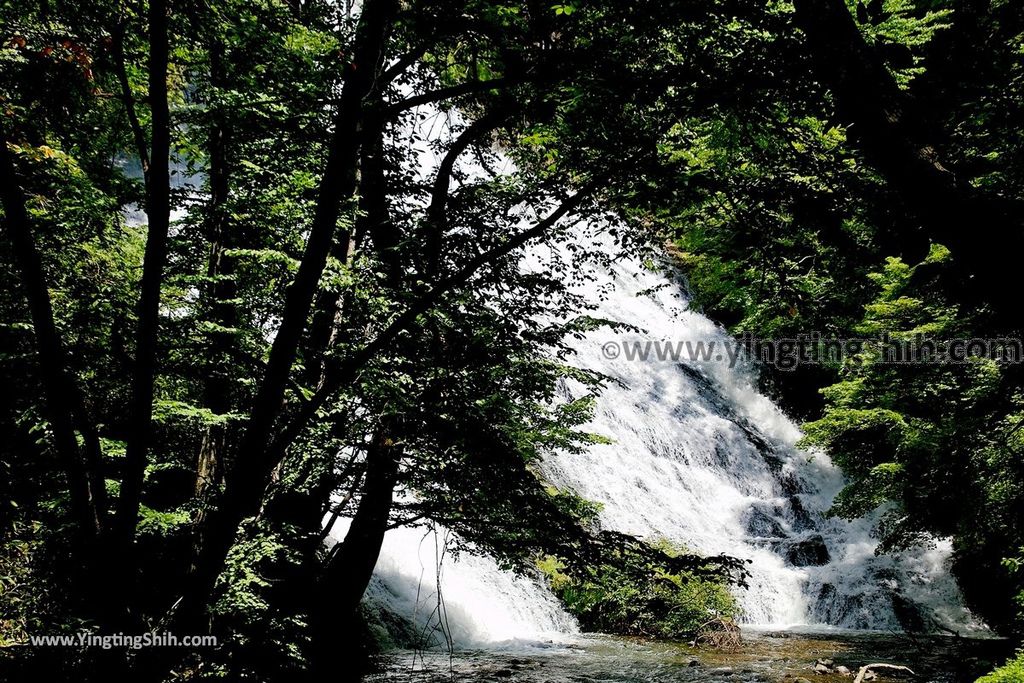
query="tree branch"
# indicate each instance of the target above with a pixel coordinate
(128, 99)
(391, 112)
(437, 210)
(349, 368)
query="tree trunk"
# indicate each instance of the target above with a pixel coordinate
(374, 221)
(348, 572)
(247, 479)
(221, 292)
(64, 405)
(158, 213)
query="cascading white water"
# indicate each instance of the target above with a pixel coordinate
(698, 457)
(478, 603)
(702, 459)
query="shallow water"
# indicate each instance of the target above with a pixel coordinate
(763, 657)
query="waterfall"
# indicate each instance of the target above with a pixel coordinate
(477, 604)
(703, 459)
(698, 457)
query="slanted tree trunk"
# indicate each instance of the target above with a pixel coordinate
(247, 479)
(349, 569)
(64, 404)
(158, 213)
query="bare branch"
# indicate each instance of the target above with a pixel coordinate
(442, 94)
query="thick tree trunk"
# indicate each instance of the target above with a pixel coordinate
(65, 405)
(248, 478)
(382, 232)
(348, 572)
(158, 213)
(984, 233)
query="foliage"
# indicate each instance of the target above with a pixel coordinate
(1010, 672)
(899, 29)
(695, 124)
(628, 594)
(929, 441)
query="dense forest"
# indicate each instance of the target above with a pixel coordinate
(262, 269)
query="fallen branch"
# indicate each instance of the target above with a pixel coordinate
(869, 667)
(721, 634)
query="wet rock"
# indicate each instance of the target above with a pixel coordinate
(843, 671)
(801, 517)
(908, 613)
(693, 661)
(822, 669)
(760, 523)
(810, 552)
(825, 662)
(723, 671)
(790, 484)
(503, 673)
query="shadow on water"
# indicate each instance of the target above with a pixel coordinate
(783, 657)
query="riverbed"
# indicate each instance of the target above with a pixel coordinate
(763, 657)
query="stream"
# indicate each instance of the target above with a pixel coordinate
(764, 656)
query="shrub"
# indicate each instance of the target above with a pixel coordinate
(630, 595)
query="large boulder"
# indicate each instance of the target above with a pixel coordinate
(809, 552)
(761, 523)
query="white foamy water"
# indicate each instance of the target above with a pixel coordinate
(698, 457)
(468, 599)
(701, 458)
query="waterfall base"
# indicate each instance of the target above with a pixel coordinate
(764, 656)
